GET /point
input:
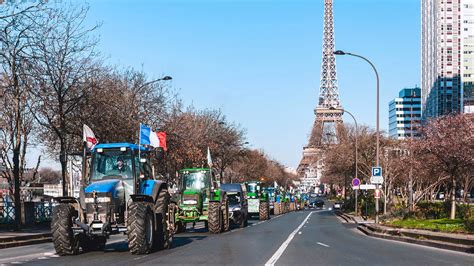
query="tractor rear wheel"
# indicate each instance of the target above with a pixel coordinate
(264, 211)
(64, 240)
(140, 227)
(215, 217)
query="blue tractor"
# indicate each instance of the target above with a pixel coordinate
(119, 194)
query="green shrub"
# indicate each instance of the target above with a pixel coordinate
(469, 225)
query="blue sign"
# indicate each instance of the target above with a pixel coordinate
(376, 171)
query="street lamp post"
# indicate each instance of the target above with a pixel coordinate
(339, 52)
(356, 152)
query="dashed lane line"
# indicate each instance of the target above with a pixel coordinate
(322, 244)
(285, 244)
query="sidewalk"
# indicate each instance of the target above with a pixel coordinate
(10, 238)
(451, 241)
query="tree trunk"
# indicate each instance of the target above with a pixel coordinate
(16, 177)
(453, 199)
(63, 161)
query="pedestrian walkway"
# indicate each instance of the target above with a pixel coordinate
(11, 238)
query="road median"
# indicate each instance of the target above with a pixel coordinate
(449, 241)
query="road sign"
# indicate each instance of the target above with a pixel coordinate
(367, 186)
(377, 194)
(376, 171)
(376, 177)
(355, 182)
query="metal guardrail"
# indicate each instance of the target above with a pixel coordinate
(41, 211)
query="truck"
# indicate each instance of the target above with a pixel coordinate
(119, 194)
(200, 199)
(258, 203)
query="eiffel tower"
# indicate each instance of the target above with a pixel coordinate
(328, 111)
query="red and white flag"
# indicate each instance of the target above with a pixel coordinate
(89, 137)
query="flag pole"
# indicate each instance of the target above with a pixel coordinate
(139, 141)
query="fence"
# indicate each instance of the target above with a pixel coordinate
(32, 212)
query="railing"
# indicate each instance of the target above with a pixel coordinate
(33, 212)
(7, 212)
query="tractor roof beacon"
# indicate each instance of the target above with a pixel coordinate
(119, 194)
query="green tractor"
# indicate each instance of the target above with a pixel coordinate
(258, 202)
(200, 199)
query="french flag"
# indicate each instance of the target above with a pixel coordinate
(152, 138)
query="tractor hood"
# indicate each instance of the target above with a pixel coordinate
(192, 191)
(103, 186)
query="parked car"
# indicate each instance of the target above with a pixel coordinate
(238, 206)
(316, 203)
(338, 205)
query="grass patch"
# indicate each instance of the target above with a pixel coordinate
(441, 225)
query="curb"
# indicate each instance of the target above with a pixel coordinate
(419, 238)
(375, 232)
(17, 241)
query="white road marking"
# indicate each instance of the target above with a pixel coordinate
(322, 244)
(285, 244)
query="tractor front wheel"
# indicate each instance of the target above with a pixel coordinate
(64, 240)
(226, 225)
(264, 211)
(215, 217)
(140, 227)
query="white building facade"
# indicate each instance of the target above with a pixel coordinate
(446, 60)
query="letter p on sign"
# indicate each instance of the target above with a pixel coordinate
(376, 171)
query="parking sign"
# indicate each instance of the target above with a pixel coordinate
(376, 177)
(376, 171)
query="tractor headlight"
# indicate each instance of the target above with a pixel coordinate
(236, 209)
(99, 200)
(190, 202)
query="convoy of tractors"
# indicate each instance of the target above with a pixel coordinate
(122, 195)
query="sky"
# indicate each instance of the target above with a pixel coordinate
(260, 61)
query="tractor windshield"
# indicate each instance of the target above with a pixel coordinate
(195, 180)
(111, 163)
(252, 188)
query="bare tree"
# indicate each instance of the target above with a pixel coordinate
(64, 62)
(449, 142)
(18, 24)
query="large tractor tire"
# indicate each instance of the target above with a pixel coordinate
(215, 222)
(140, 227)
(163, 236)
(276, 208)
(64, 240)
(264, 211)
(226, 222)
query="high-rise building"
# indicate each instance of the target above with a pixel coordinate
(447, 51)
(405, 114)
(467, 55)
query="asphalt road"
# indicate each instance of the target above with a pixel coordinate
(299, 238)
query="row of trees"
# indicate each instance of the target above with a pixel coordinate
(53, 80)
(442, 159)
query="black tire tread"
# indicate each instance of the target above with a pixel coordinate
(214, 217)
(137, 212)
(63, 237)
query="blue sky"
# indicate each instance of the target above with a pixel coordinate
(259, 61)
